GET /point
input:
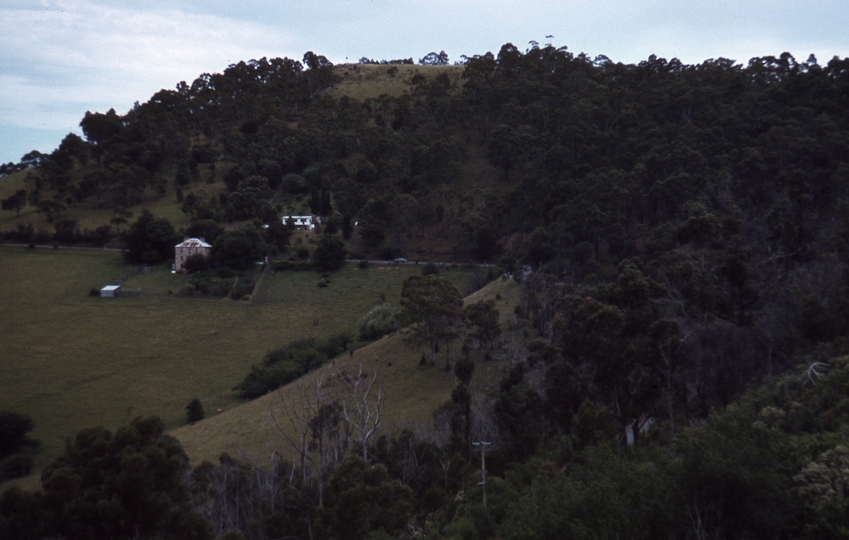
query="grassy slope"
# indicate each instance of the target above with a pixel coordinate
(413, 393)
(91, 215)
(72, 361)
(365, 81)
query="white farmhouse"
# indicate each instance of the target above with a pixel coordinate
(303, 223)
(187, 248)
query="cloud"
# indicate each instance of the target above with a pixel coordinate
(60, 58)
(81, 54)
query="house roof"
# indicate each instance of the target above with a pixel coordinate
(193, 242)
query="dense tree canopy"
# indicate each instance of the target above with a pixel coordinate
(329, 254)
(127, 484)
(150, 239)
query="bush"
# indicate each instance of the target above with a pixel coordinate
(377, 323)
(330, 253)
(225, 273)
(388, 253)
(15, 466)
(196, 263)
(291, 265)
(335, 345)
(239, 249)
(430, 269)
(194, 411)
(241, 290)
(286, 364)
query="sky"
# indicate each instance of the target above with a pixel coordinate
(61, 58)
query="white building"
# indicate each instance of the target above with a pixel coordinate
(304, 223)
(187, 248)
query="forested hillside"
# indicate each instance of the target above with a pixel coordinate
(688, 231)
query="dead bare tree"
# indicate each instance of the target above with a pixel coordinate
(294, 427)
(312, 427)
(361, 410)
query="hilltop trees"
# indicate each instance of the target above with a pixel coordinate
(434, 59)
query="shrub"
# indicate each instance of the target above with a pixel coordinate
(239, 249)
(241, 290)
(196, 263)
(377, 323)
(194, 411)
(430, 269)
(330, 253)
(335, 345)
(286, 364)
(225, 273)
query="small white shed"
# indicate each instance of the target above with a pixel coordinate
(109, 291)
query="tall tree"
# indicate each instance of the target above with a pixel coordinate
(433, 305)
(150, 240)
(330, 252)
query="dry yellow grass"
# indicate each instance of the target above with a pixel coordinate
(367, 81)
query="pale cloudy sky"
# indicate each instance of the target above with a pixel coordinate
(60, 58)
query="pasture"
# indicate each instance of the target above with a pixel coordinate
(71, 360)
(412, 393)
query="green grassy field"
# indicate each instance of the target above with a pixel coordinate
(71, 360)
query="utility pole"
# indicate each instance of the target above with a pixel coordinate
(483, 447)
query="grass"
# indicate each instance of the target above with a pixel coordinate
(91, 215)
(72, 361)
(367, 81)
(412, 393)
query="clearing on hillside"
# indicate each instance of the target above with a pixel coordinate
(72, 360)
(412, 393)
